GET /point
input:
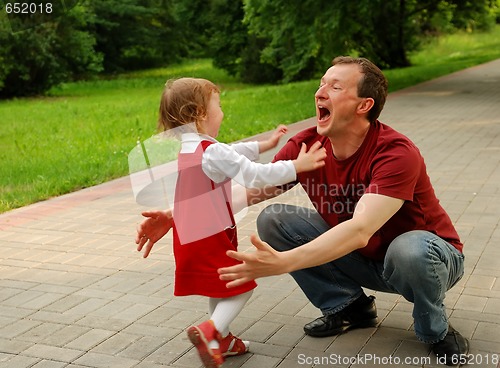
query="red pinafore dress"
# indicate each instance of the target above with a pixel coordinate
(204, 229)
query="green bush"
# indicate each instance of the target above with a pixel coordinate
(37, 56)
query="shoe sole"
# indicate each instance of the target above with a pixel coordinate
(363, 324)
(201, 344)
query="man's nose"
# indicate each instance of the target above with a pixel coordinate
(320, 93)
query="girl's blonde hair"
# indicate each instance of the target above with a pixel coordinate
(185, 101)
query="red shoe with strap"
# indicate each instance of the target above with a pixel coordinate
(200, 336)
(232, 345)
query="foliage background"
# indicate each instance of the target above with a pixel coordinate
(258, 41)
(93, 72)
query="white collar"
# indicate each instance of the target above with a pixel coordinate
(196, 137)
(190, 141)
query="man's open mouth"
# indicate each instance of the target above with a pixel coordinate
(324, 113)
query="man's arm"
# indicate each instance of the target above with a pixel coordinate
(372, 211)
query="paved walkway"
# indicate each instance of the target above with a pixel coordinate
(75, 293)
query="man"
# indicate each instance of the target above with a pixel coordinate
(377, 222)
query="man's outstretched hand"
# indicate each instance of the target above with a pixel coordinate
(265, 261)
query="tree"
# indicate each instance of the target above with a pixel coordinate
(215, 29)
(38, 53)
(196, 24)
(294, 44)
(135, 34)
(74, 39)
(473, 15)
(304, 35)
(234, 48)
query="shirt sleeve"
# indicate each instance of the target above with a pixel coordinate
(221, 161)
(248, 149)
(395, 172)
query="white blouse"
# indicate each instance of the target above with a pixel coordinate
(221, 161)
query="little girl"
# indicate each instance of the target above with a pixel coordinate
(203, 221)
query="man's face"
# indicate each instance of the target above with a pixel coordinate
(337, 99)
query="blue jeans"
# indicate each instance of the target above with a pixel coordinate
(418, 265)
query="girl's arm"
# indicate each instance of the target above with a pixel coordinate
(272, 142)
(252, 149)
(221, 161)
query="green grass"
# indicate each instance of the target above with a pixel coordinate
(80, 135)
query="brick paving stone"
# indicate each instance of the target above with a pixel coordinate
(65, 335)
(46, 316)
(109, 323)
(18, 361)
(52, 353)
(105, 361)
(13, 347)
(41, 332)
(49, 364)
(18, 328)
(143, 347)
(90, 339)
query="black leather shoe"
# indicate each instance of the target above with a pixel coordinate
(453, 349)
(361, 313)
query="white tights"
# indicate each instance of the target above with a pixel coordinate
(224, 310)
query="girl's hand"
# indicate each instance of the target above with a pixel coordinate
(273, 141)
(279, 132)
(310, 160)
(152, 229)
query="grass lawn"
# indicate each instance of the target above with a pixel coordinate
(80, 135)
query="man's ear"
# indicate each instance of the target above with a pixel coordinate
(365, 105)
